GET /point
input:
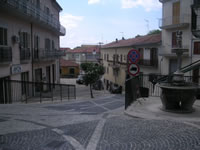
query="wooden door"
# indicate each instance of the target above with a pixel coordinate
(176, 13)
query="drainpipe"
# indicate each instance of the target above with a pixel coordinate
(32, 51)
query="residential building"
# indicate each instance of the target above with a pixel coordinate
(184, 16)
(85, 53)
(114, 57)
(29, 42)
(69, 68)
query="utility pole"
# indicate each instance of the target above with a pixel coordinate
(147, 24)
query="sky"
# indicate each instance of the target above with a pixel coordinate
(94, 21)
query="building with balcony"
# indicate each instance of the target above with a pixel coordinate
(114, 57)
(82, 54)
(29, 42)
(180, 15)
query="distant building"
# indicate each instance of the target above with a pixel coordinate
(181, 15)
(69, 68)
(114, 57)
(29, 42)
(85, 53)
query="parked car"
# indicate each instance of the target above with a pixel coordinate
(79, 80)
(115, 89)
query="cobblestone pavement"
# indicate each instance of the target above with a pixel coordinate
(90, 125)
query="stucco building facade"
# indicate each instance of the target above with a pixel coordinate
(180, 15)
(114, 57)
(29, 42)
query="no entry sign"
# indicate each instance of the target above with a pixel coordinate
(133, 56)
(133, 69)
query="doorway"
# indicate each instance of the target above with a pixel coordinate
(48, 78)
(5, 88)
(38, 79)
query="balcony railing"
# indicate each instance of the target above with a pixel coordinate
(33, 12)
(25, 54)
(5, 54)
(150, 63)
(174, 21)
(47, 54)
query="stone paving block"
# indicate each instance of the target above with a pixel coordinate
(32, 140)
(120, 133)
(82, 132)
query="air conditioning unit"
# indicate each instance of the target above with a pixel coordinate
(15, 39)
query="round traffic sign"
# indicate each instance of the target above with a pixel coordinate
(133, 56)
(133, 69)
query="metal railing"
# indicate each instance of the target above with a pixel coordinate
(41, 54)
(174, 20)
(5, 54)
(24, 91)
(148, 81)
(25, 54)
(34, 12)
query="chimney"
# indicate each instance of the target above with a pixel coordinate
(116, 40)
(123, 38)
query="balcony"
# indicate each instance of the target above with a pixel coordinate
(5, 55)
(33, 13)
(149, 63)
(25, 54)
(167, 51)
(174, 22)
(45, 55)
(196, 19)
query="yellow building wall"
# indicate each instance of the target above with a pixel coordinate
(65, 71)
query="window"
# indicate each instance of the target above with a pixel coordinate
(36, 41)
(174, 40)
(141, 51)
(24, 40)
(3, 36)
(121, 58)
(52, 45)
(107, 57)
(107, 70)
(196, 47)
(47, 44)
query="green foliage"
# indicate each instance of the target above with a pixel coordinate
(93, 72)
(154, 32)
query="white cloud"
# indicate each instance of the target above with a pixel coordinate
(148, 5)
(93, 1)
(69, 21)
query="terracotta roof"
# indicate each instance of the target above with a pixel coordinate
(143, 40)
(86, 49)
(83, 49)
(65, 49)
(68, 63)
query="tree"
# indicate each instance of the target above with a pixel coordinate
(156, 31)
(93, 73)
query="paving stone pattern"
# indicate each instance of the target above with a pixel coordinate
(106, 128)
(139, 134)
(43, 139)
(81, 132)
